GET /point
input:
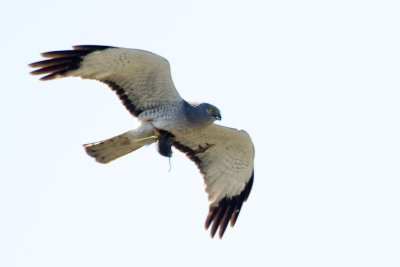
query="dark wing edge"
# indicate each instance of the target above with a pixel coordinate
(228, 208)
(63, 61)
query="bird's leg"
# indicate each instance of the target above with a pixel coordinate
(153, 137)
(164, 144)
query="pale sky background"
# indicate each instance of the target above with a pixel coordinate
(315, 83)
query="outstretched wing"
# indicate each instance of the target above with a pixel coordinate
(141, 79)
(225, 157)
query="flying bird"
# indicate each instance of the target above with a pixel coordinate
(142, 80)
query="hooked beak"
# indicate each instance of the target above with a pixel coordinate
(218, 117)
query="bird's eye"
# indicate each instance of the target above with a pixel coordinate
(210, 110)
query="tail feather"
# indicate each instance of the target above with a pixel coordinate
(115, 147)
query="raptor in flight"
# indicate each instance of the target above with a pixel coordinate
(142, 80)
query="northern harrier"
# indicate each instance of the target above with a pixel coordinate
(142, 80)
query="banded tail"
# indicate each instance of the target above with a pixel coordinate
(120, 145)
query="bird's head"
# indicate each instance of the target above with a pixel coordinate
(202, 114)
(212, 111)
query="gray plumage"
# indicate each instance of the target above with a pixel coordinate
(143, 82)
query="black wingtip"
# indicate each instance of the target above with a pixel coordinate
(62, 61)
(227, 210)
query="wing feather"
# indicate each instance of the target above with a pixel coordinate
(141, 79)
(225, 157)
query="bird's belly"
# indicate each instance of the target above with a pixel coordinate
(176, 126)
(168, 119)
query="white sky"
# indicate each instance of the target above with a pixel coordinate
(315, 83)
